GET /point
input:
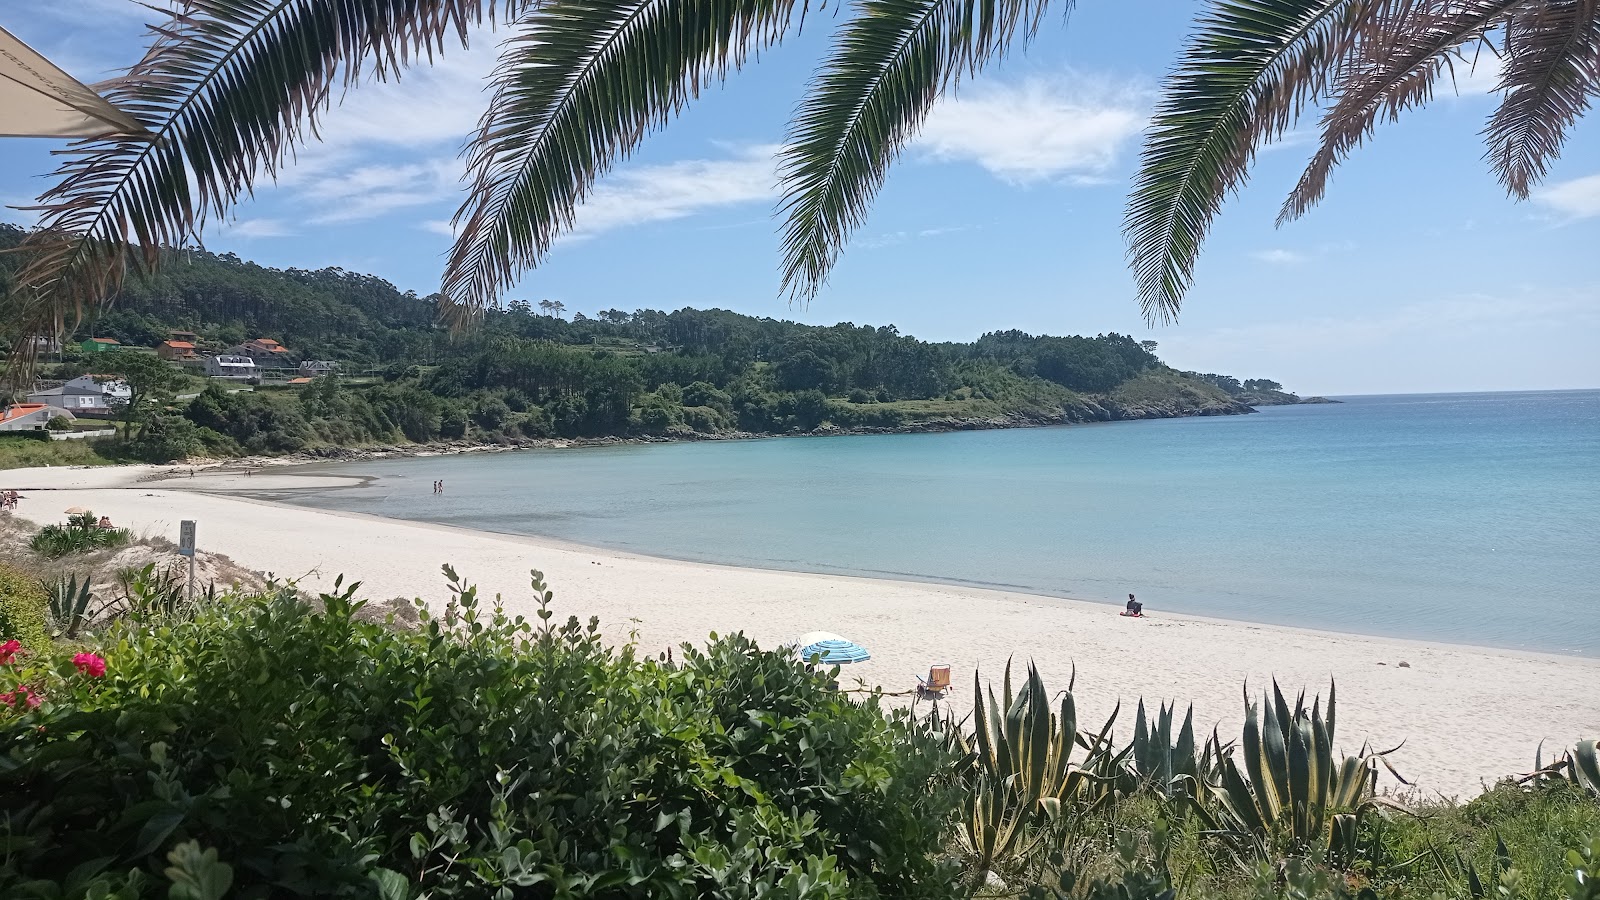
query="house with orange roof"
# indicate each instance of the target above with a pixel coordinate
(178, 351)
(267, 353)
(99, 345)
(30, 416)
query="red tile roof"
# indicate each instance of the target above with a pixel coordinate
(20, 410)
(179, 345)
(104, 340)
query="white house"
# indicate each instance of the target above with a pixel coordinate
(316, 368)
(30, 416)
(87, 394)
(230, 367)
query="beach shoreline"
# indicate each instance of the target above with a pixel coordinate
(1463, 712)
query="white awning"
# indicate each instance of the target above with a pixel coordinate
(37, 99)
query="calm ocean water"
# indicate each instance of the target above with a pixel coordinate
(1468, 518)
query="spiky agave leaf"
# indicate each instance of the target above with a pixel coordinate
(891, 61)
(1246, 74)
(1551, 74)
(227, 88)
(578, 87)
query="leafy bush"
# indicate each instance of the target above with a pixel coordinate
(319, 755)
(24, 608)
(79, 535)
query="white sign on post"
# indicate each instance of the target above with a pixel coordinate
(186, 538)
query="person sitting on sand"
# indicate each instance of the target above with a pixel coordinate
(105, 522)
(1135, 608)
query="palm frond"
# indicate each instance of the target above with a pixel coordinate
(1552, 72)
(891, 62)
(228, 87)
(577, 88)
(1388, 74)
(1247, 73)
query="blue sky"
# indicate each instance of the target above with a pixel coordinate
(1416, 274)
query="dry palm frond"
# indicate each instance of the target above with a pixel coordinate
(1388, 74)
(1255, 64)
(893, 59)
(1247, 73)
(228, 88)
(579, 87)
(1552, 71)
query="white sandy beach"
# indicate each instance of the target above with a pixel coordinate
(1467, 715)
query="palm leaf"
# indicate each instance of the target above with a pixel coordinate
(578, 87)
(1552, 71)
(1392, 72)
(1246, 74)
(228, 87)
(891, 61)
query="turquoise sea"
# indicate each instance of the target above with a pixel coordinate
(1466, 518)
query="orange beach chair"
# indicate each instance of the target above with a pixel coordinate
(937, 684)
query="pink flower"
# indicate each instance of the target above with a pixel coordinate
(9, 698)
(33, 701)
(8, 651)
(90, 664)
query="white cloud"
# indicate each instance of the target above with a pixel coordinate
(896, 238)
(438, 226)
(370, 191)
(389, 146)
(1070, 128)
(1477, 76)
(1577, 199)
(1280, 257)
(257, 228)
(656, 193)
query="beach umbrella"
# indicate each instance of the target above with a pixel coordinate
(76, 510)
(37, 99)
(833, 649)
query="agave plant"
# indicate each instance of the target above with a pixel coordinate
(1020, 770)
(1294, 796)
(1174, 769)
(1579, 766)
(69, 604)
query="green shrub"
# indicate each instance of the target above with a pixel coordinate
(79, 535)
(320, 755)
(24, 608)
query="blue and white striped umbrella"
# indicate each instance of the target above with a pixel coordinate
(833, 649)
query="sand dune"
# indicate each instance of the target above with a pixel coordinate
(1467, 715)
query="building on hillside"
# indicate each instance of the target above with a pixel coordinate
(186, 336)
(231, 366)
(87, 395)
(177, 351)
(267, 353)
(99, 345)
(30, 416)
(316, 368)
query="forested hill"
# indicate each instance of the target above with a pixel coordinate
(530, 372)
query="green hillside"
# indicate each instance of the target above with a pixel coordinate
(527, 373)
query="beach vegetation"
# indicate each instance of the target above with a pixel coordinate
(284, 748)
(275, 744)
(18, 451)
(70, 597)
(24, 608)
(81, 534)
(1294, 796)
